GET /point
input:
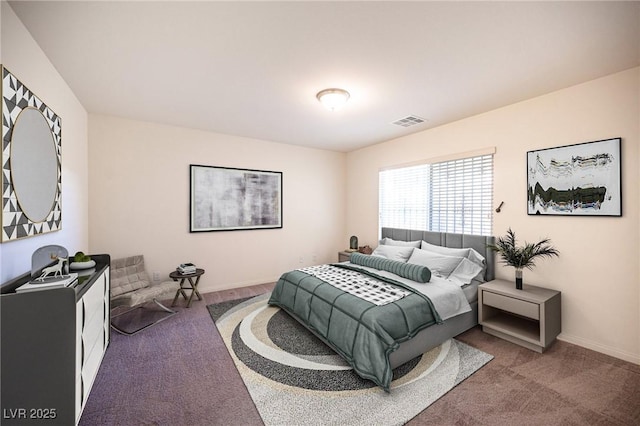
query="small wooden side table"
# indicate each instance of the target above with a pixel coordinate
(175, 275)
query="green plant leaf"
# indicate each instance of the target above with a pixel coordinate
(522, 256)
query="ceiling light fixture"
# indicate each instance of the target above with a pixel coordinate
(333, 99)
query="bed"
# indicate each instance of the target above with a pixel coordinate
(408, 312)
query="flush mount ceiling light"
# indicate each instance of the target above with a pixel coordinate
(333, 99)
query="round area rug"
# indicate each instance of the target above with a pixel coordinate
(294, 378)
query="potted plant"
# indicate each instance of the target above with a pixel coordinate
(521, 257)
(82, 261)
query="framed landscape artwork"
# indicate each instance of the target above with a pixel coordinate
(229, 199)
(575, 180)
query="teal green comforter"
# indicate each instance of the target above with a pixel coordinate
(362, 333)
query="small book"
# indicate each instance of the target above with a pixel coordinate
(34, 285)
(186, 268)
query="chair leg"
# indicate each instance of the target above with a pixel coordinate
(131, 333)
(171, 311)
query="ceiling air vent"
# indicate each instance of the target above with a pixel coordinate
(408, 121)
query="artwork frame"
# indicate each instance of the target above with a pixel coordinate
(583, 179)
(16, 222)
(233, 199)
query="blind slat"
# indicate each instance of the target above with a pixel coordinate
(450, 196)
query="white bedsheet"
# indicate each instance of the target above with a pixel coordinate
(448, 298)
(471, 291)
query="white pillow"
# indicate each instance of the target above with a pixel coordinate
(467, 271)
(455, 268)
(469, 253)
(389, 242)
(398, 253)
(440, 265)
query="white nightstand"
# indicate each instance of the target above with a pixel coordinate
(529, 317)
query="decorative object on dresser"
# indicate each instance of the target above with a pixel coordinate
(49, 269)
(55, 270)
(521, 257)
(575, 180)
(31, 176)
(53, 342)
(530, 317)
(229, 199)
(131, 288)
(81, 261)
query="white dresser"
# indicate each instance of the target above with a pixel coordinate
(92, 336)
(53, 342)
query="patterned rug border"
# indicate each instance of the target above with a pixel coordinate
(281, 403)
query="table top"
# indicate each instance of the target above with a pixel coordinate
(529, 292)
(176, 274)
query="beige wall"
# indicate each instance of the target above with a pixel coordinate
(139, 202)
(23, 57)
(598, 269)
(138, 176)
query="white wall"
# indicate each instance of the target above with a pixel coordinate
(23, 57)
(598, 268)
(139, 202)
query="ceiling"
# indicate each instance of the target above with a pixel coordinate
(253, 69)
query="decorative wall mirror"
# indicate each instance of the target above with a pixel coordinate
(31, 163)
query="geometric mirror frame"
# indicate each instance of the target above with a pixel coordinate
(31, 175)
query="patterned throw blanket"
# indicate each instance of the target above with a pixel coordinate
(363, 333)
(365, 287)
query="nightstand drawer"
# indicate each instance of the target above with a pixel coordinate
(519, 307)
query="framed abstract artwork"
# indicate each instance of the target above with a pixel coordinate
(575, 180)
(230, 199)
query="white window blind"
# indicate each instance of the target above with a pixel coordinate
(449, 196)
(404, 197)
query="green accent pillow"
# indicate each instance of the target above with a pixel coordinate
(418, 273)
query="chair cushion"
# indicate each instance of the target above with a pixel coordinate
(128, 274)
(164, 290)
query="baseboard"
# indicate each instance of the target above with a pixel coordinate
(594, 346)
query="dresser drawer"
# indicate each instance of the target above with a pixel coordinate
(90, 369)
(92, 335)
(516, 306)
(93, 301)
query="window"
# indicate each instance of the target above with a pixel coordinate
(449, 196)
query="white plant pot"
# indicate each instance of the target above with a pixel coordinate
(82, 265)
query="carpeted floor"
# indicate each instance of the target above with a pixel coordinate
(179, 372)
(294, 378)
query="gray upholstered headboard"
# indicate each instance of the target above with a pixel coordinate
(476, 242)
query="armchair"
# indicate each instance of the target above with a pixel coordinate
(131, 287)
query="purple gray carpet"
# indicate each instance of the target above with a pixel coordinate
(179, 372)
